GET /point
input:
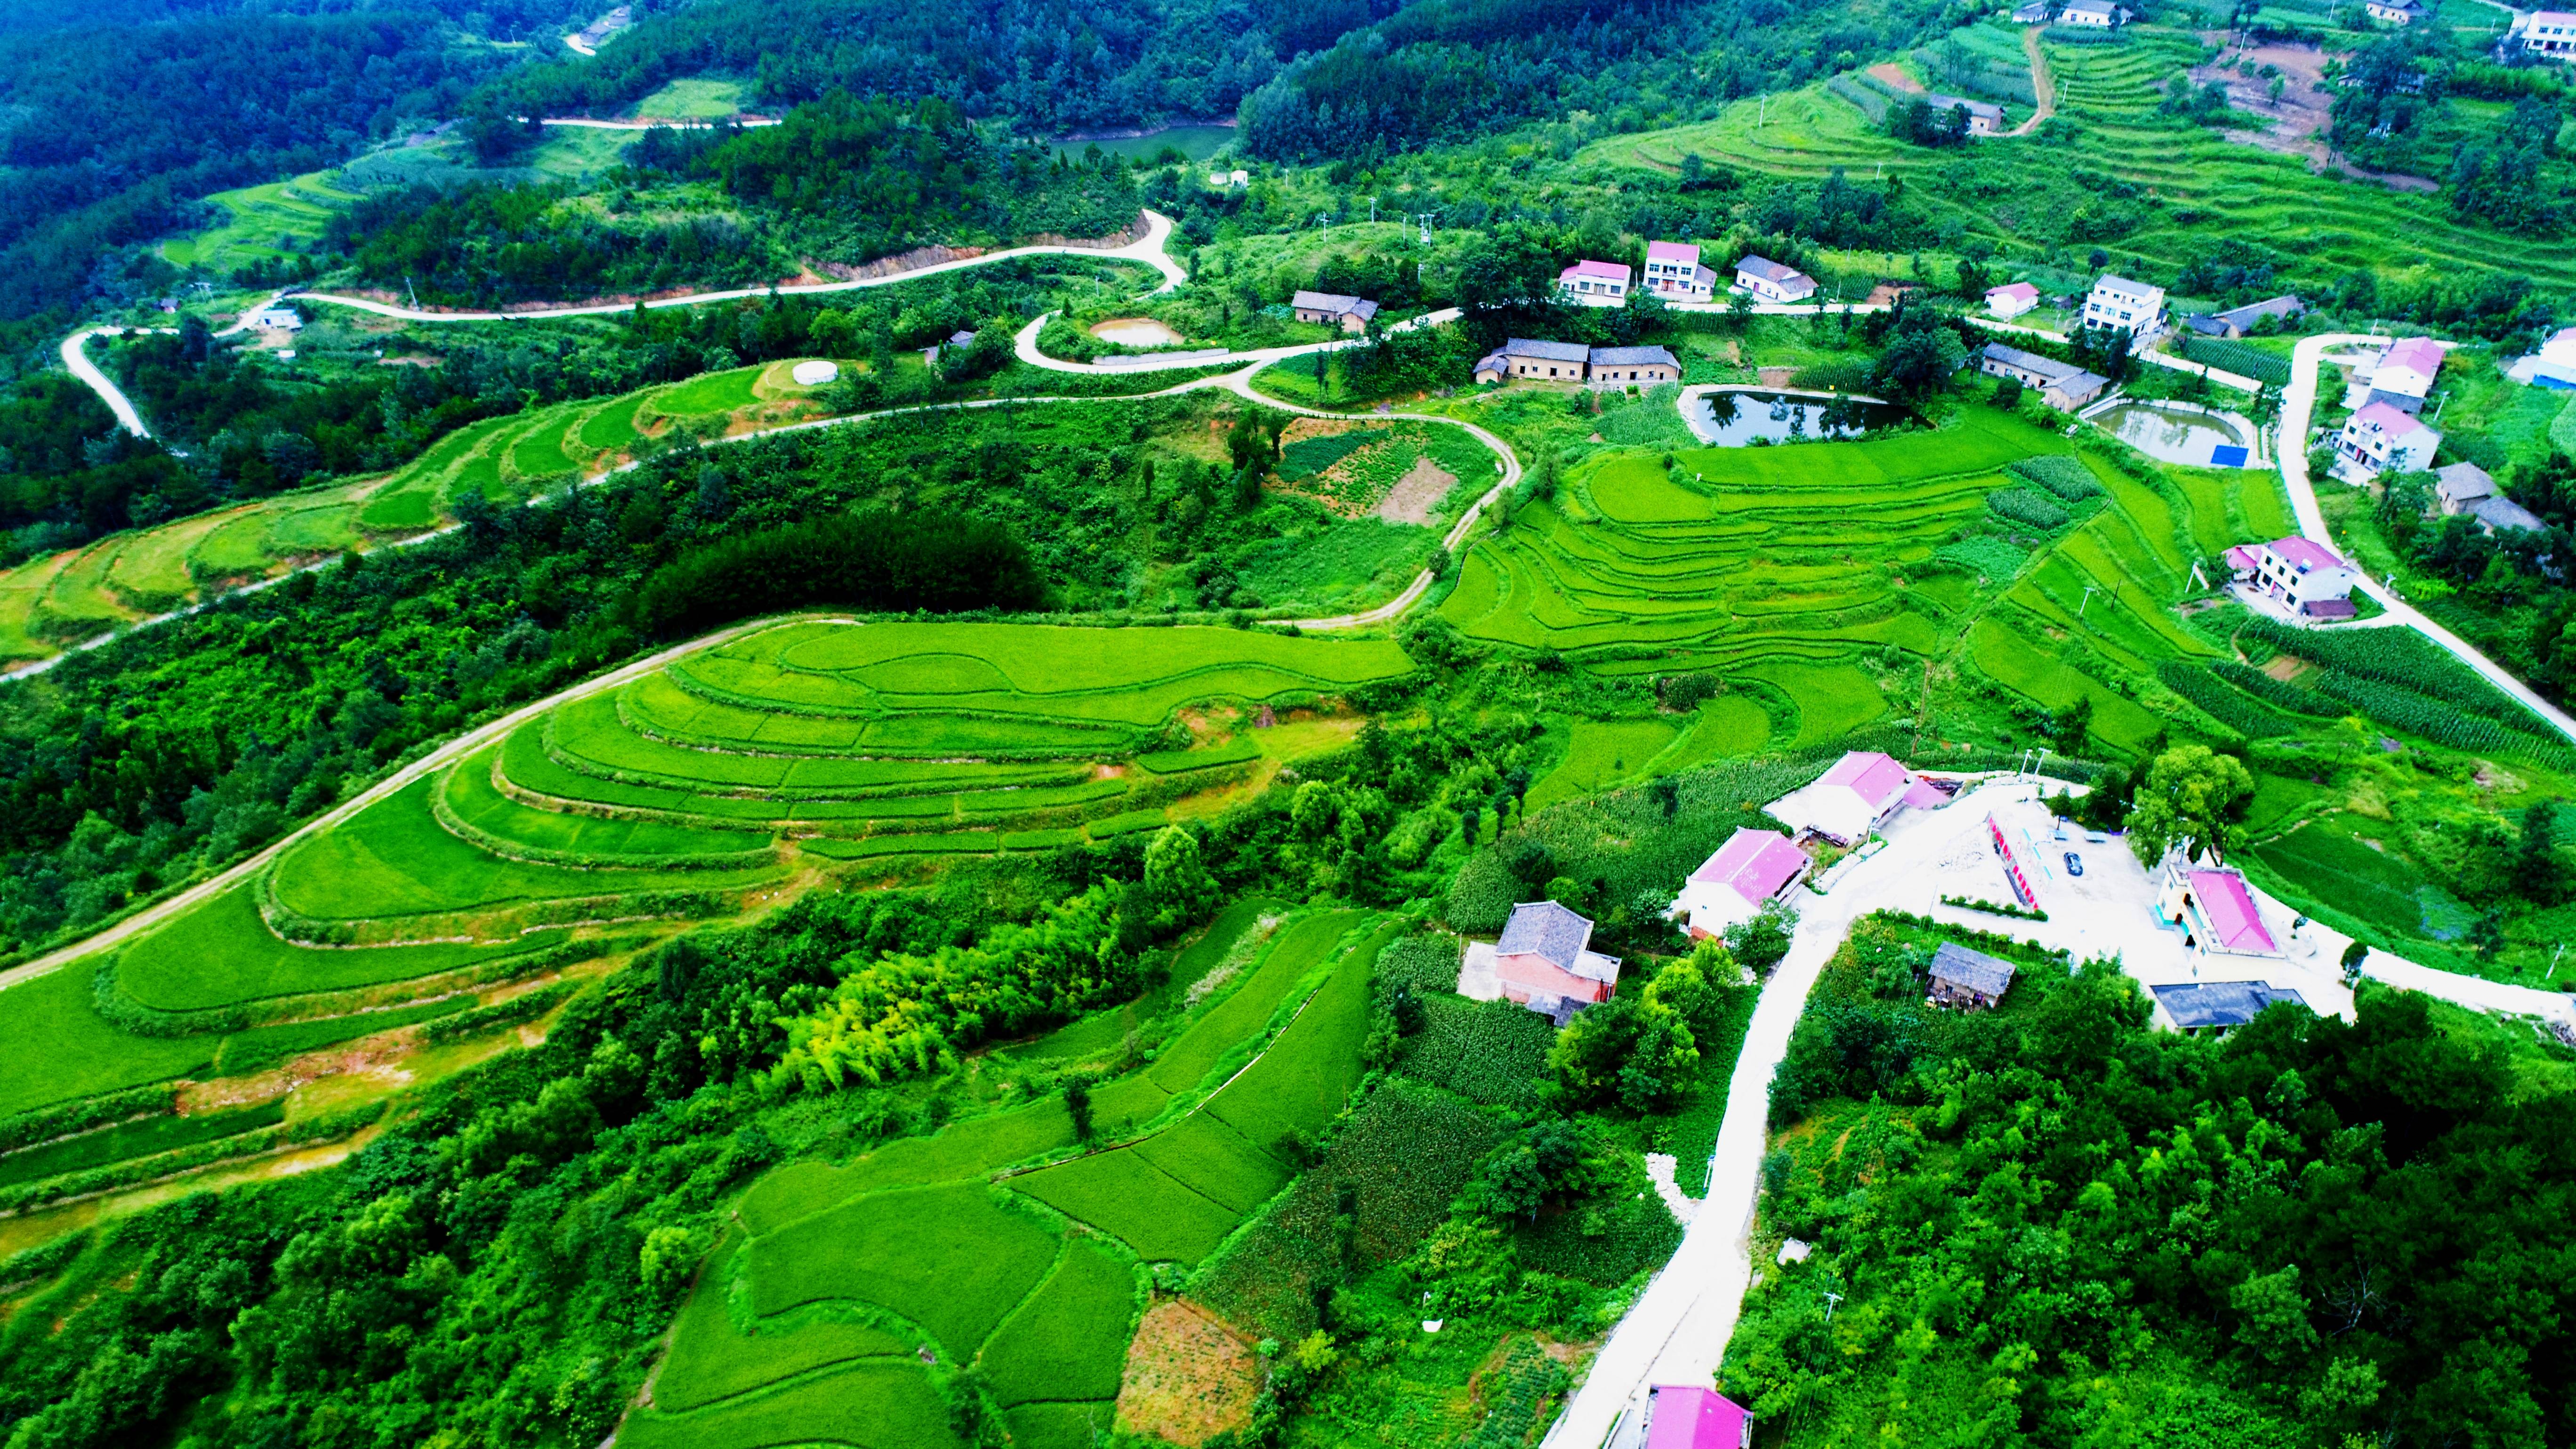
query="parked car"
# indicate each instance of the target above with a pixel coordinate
(2074, 863)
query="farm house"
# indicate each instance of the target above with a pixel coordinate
(2213, 909)
(1969, 980)
(1746, 873)
(2300, 573)
(1595, 284)
(1855, 797)
(2214, 1007)
(1545, 963)
(1680, 1416)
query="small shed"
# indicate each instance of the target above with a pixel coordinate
(1969, 980)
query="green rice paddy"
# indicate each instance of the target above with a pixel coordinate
(946, 1248)
(824, 745)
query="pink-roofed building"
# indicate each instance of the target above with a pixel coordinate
(1596, 284)
(1733, 885)
(2011, 301)
(2381, 437)
(1855, 797)
(1674, 273)
(1679, 1416)
(2213, 909)
(2302, 573)
(2404, 374)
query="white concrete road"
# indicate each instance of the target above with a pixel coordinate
(1147, 249)
(1677, 1331)
(2298, 412)
(76, 360)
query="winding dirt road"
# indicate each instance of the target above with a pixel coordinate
(2043, 84)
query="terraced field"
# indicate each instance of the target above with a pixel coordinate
(850, 1291)
(2207, 187)
(49, 602)
(693, 792)
(279, 219)
(1791, 569)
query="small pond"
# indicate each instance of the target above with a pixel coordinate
(2197, 440)
(1195, 142)
(1737, 419)
(1135, 332)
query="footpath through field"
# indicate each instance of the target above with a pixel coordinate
(2298, 409)
(1676, 1332)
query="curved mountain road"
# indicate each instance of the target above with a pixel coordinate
(76, 361)
(1147, 249)
(2298, 409)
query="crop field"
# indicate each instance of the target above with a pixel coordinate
(798, 747)
(280, 219)
(839, 1274)
(2206, 187)
(1775, 565)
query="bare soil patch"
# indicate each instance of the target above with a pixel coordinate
(1189, 1377)
(1417, 493)
(2285, 667)
(1894, 74)
(2298, 120)
(1777, 376)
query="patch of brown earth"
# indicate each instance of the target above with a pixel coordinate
(2285, 667)
(1188, 1377)
(1417, 493)
(1777, 376)
(1894, 74)
(2298, 121)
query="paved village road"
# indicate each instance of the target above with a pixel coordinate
(1147, 249)
(1024, 345)
(76, 360)
(2298, 410)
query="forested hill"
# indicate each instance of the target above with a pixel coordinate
(1052, 64)
(841, 181)
(1446, 70)
(116, 124)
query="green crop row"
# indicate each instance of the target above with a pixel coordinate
(2437, 720)
(2400, 658)
(2230, 707)
(2060, 473)
(2024, 505)
(2291, 697)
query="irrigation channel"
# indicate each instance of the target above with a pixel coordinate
(1677, 1330)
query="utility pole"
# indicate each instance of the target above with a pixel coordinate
(2089, 591)
(1923, 713)
(1831, 1298)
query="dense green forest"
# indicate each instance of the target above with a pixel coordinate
(842, 182)
(1447, 71)
(2050, 1224)
(121, 121)
(1054, 66)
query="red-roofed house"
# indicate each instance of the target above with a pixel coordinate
(1854, 798)
(2405, 373)
(2302, 573)
(1542, 961)
(2213, 909)
(1673, 272)
(1595, 284)
(1732, 885)
(2379, 436)
(2010, 302)
(1679, 1416)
